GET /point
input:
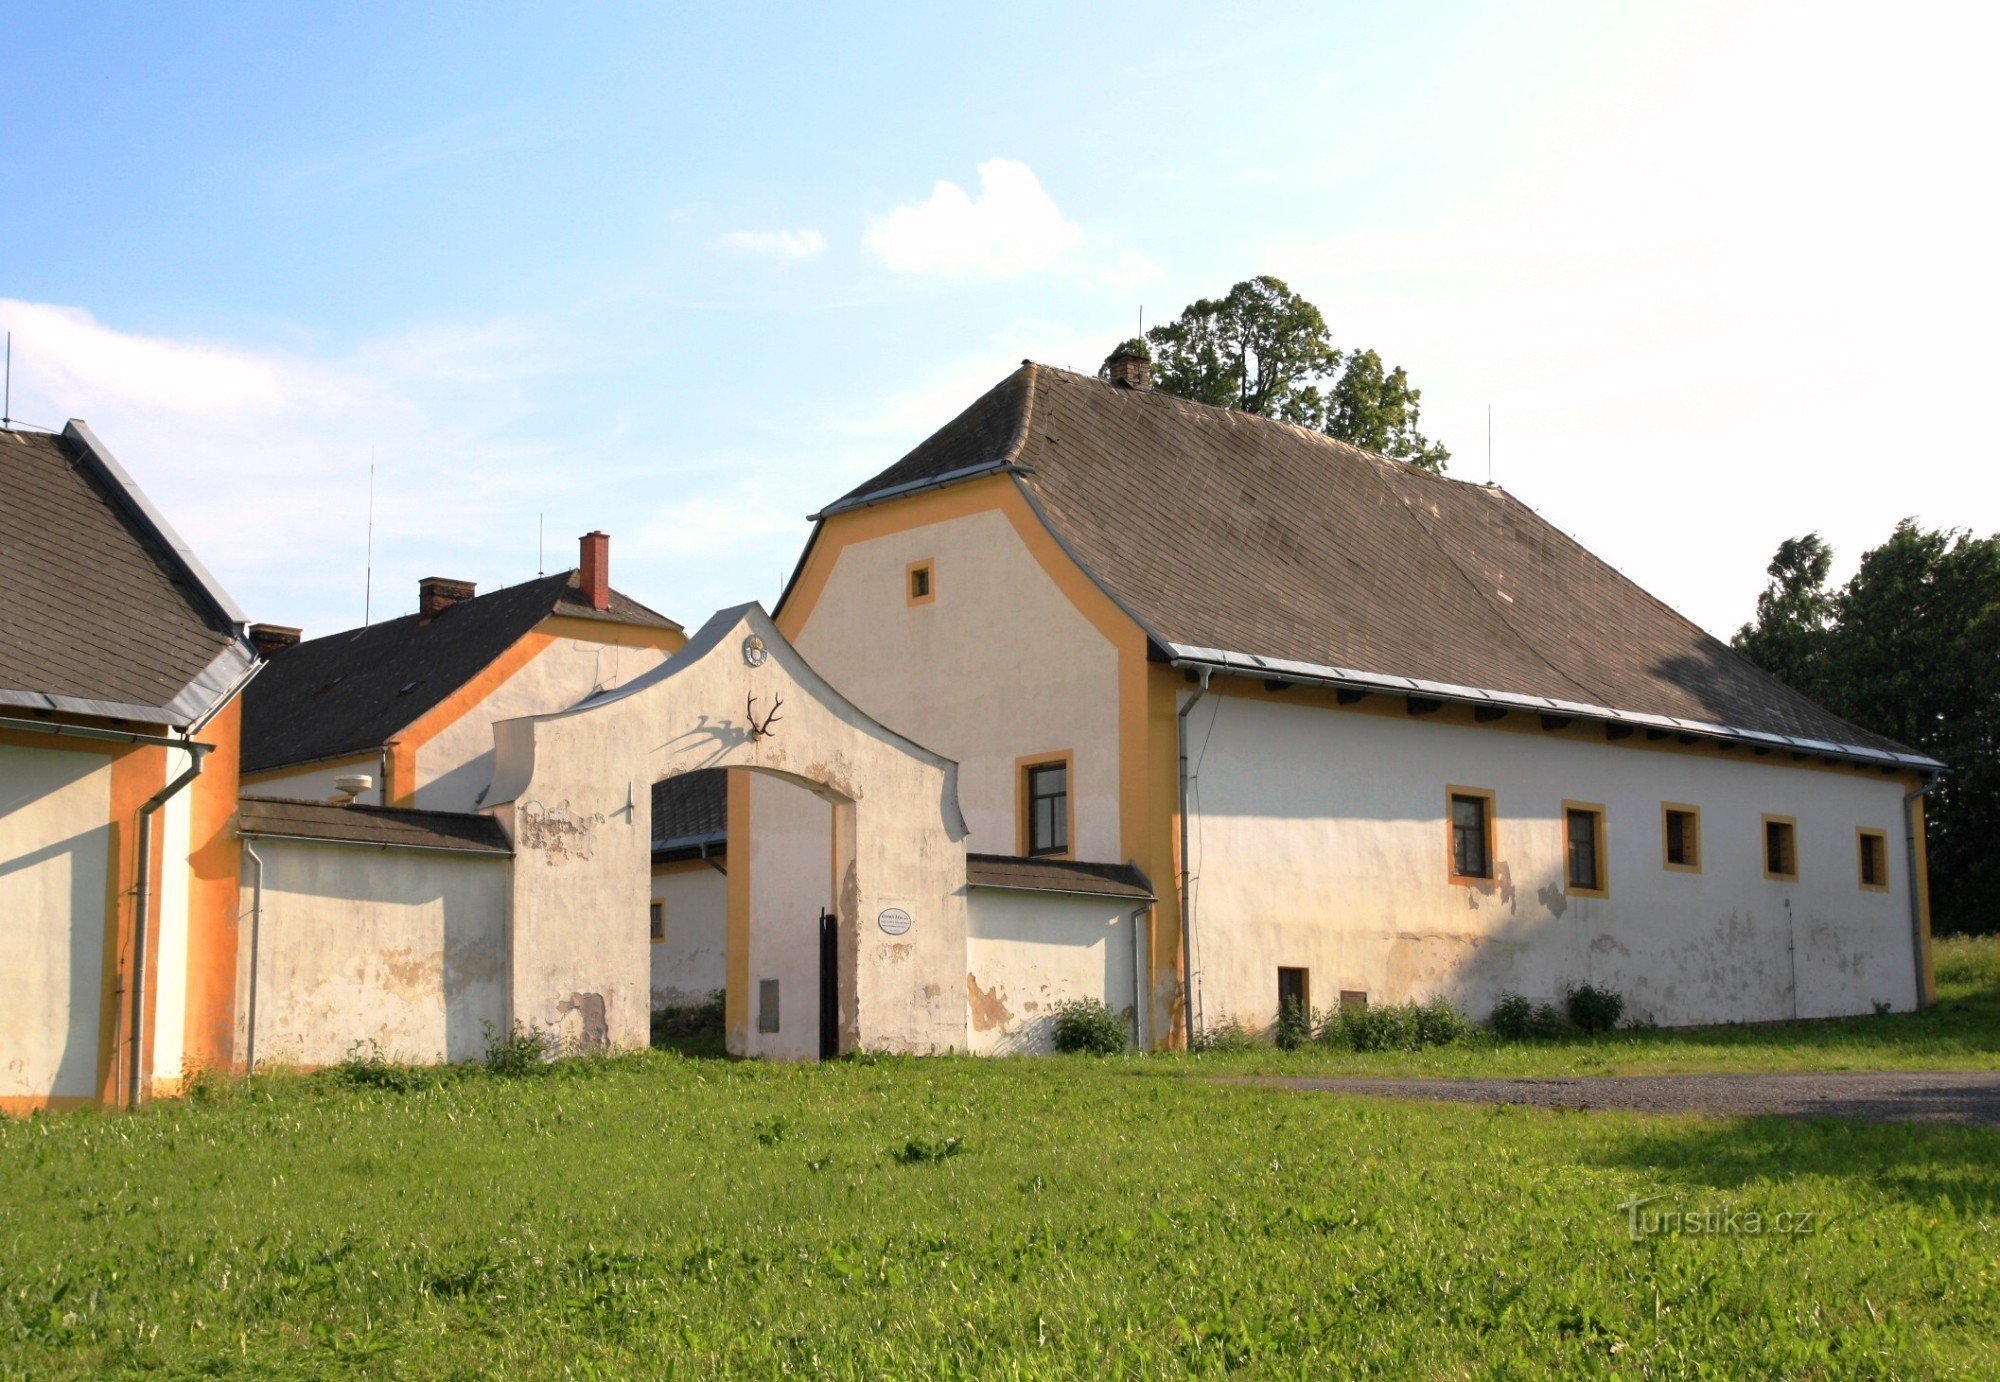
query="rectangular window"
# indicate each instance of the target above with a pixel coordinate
(1781, 849)
(1681, 850)
(1294, 992)
(1046, 800)
(659, 927)
(1471, 834)
(922, 578)
(1874, 848)
(767, 1005)
(1583, 849)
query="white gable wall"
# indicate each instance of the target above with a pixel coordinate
(1319, 840)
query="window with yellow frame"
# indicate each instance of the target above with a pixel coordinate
(1872, 863)
(1586, 864)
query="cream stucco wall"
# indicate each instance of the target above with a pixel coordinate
(999, 665)
(454, 768)
(1026, 952)
(54, 874)
(316, 784)
(403, 948)
(1319, 840)
(688, 963)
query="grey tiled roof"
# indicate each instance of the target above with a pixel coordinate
(398, 827)
(352, 692)
(1220, 531)
(104, 610)
(691, 809)
(1056, 876)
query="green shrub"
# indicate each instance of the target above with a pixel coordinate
(1594, 1010)
(695, 1029)
(366, 1067)
(1295, 1026)
(523, 1051)
(1396, 1026)
(1229, 1034)
(1515, 1018)
(1440, 1023)
(1088, 1026)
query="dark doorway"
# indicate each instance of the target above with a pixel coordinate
(829, 986)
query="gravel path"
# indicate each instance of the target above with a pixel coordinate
(1924, 1096)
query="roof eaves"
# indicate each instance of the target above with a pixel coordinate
(1309, 674)
(1003, 466)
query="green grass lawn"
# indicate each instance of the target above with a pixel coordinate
(951, 1216)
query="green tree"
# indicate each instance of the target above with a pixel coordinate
(1910, 648)
(1263, 349)
(1794, 614)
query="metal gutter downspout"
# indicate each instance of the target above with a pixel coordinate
(1189, 1014)
(1910, 799)
(256, 933)
(135, 1083)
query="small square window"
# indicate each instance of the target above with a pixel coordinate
(1681, 846)
(921, 578)
(1874, 851)
(1471, 834)
(1047, 808)
(767, 1005)
(1354, 1000)
(1583, 849)
(659, 920)
(1781, 849)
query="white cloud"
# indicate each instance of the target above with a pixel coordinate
(1011, 228)
(778, 244)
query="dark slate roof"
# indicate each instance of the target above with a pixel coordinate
(1250, 544)
(395, 826)
(352, 692)
(106, 610)
(1056, 876)
(691, 809)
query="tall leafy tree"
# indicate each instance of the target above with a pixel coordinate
(1262, 348)
(1910, 648)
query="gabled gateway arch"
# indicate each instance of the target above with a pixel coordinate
(572, 789)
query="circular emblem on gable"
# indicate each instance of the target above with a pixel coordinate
(753, 651)
(894, 920)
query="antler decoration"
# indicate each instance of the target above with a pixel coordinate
(760, 730)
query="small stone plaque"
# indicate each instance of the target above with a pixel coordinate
(894, 920)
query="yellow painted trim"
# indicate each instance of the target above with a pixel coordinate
(929, 567)
(1862, 836)
(1023, 829)
(618, 635)
(476, 689)
(1764, 847)
(1452, 874)
(215, 873)
(736, 948)
(1599, 847)
(1666, 862)
(21, 1105)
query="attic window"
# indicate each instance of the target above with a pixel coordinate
(921, 579)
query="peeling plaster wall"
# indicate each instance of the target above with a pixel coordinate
(1320, 841)
(791, 880)
(54, 878)
(571, 790)
(998, 666)
(688, 965)
(404, 948)
(454, 768)
(1026, 952)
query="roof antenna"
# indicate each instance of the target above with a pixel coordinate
(1489, 443)
(540, 562)
(368, 580)
(7, 408)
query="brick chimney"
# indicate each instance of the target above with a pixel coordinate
(271, 639)
(1130, 370)
(593, 576)
(436, 594)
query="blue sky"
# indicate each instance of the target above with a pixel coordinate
(1724, 273)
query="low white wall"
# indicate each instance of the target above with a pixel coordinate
(688, 964)
(403, 948)
(1026, 952)
(1319, 842)
(54, 875)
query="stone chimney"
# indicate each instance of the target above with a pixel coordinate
(593, 576)
(1130, 370)
(436, 594)
(271, 639)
